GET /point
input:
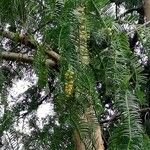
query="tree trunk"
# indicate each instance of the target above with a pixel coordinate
(99, 145)
(96, 141)
(94, 137)
(147, 9)
(79, 145)
(99, 140)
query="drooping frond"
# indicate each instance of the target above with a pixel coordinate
(97, 73)
(128, 129)
(13, 10)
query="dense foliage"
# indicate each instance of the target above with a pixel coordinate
(76, 55)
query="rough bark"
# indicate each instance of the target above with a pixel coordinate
(99, 145)
(99, 140)
(79, 145)
(147, 9)
(95, 138)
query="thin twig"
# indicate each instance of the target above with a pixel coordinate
(130, 11)
(112, 118)
(115, 116)
(144, 109)
(42, 26)
(139, 27)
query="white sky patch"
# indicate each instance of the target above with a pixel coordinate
(19, 87)
(23, 126)
(45, 109)
(15, 95)
(122, 9)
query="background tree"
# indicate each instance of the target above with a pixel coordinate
(91, 61)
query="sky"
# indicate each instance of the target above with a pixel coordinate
(15, 94)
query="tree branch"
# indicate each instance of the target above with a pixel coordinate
(145, 109)
(112, 118)
(139, 27)
(18, 38)
(116, 116)
(138, 9)
(23, 39)
(23, 58)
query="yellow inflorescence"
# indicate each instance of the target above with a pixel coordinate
(69, 77)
